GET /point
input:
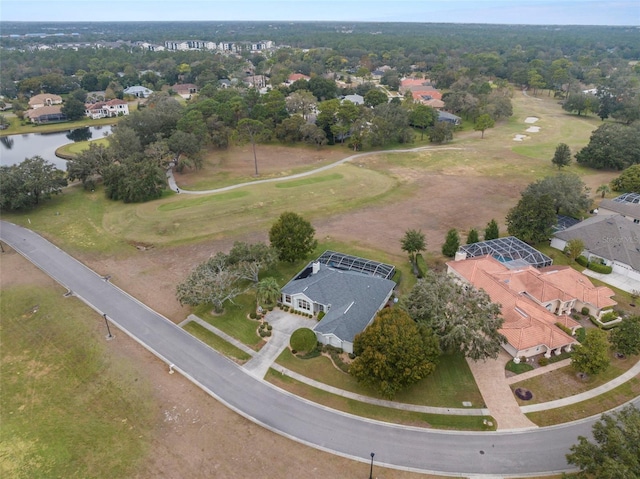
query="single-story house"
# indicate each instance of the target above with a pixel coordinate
(611, 239)
(185, 90)
(46, 114)
(138, 91)
(44, 99)
(297, 76)
(346, 291)
(533, 301)
(355, 99)
(106, 109)
(449, 117)
(627, 205)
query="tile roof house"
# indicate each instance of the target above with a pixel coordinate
(608, 238)
(297, 76)
(46, 114)
(106, 109)
(185, 90)
(138, 91)
(627, 205)
(349, 299)
(44, 99)
(533, 300)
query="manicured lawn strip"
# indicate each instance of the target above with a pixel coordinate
(518, 368)
(74, 221)
(397, 416)
(234, 320)
(309, 181)
(216, 342)
(68, 407)
(597, 405)
(73, 149)
(450, 384)
(17, 128)
(564, 382)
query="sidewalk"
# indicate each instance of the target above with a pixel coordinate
(538, 371)
(489, 375)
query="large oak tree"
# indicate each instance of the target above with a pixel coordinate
(394, 352)
(462, 317)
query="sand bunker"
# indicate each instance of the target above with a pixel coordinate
(519, 137)
(533, 129)
(531, 119)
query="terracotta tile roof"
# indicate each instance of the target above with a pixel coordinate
(527, 324)
(407, 82)
(298, 76)
(42, 98)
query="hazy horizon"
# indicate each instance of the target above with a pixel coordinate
(515, 12)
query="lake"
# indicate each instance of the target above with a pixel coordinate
(15, 148)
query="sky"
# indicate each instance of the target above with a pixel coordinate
(534, 12)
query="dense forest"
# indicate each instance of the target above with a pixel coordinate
(244, 95)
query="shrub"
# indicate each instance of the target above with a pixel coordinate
(600, 268)
(262, 326)
(421, 264)
(262, 333)
(608, 317)
(253, 315)
(585, 311)
(582, 261)
(581, 333)
(303, 340)
(321, 315)
(564, 328)
(543, 361)
(268, 333)
(269, 327)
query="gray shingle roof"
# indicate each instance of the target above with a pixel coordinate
(612, 237)
(354, 298)
(625, 208)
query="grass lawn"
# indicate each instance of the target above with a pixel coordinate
(73, 149)
(397, 416)
(450, 385)
(234, 320)
(564, 382)
(16, 128)
(597, 405)
(216, 342)
(68, 408)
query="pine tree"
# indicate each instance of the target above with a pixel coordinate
(451, 244)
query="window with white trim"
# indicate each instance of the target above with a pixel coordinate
(304, 304)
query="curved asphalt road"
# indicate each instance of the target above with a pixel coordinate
(530, 452)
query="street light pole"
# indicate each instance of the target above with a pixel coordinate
(109, 336)
(371, 469)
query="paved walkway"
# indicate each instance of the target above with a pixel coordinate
(614, 383)
(489, 375)
(497, 394)
(172, 181)
(538, 371)
(219, 332)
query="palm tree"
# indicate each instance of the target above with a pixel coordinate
(604, 189)
(267, 291)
